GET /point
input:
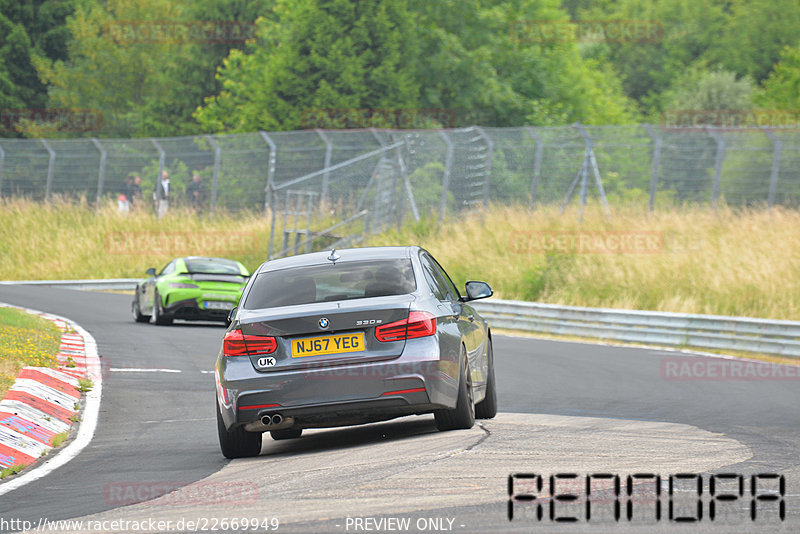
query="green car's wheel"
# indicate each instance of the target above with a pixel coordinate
(237, 443)
(137, 312)
(463, 415)
(286, 433)
(158, 316)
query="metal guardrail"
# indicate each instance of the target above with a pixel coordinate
(119, 284)
(767, 336)
(659, 328)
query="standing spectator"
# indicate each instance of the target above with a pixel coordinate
(135, 191)
(161, 195)
(196, 193)
(124, 199)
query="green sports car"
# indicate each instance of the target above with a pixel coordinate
(192, 288)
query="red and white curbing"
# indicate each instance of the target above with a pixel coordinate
(43, 402)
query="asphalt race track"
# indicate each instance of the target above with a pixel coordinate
(565, 408)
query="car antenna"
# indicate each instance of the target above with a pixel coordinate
(334, 257)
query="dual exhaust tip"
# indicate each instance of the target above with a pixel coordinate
(271, 420)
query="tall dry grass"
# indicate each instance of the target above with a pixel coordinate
(728, 262)
(72, 240)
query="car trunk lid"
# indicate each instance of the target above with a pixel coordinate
(326, 334)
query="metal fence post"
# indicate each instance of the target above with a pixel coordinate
(409, 192)
(590, 160)
(270, 187)
(656, 161)
(101, 173)
(487, 182)
(215, 176)
(162, 156)
(50, 169)
(326, 164)
(537, 165)
(2, 161)
(776, 166)
(717, 165)
(448, 164)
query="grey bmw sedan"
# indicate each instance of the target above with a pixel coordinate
(349, 337)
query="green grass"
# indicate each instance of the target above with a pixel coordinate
(13, 470)
(25, 339)
(58, 439)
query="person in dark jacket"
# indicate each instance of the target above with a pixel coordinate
(196, 193)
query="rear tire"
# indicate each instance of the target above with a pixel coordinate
(136, 311)
(286, 433)
(463, 415)
(487, 408)
(158, 314)
(238, 442)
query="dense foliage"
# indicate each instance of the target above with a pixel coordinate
(308, 63)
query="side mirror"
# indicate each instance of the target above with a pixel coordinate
(478, 290)
(232, 314)
(151, 271)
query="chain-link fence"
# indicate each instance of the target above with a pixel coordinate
(380, 177)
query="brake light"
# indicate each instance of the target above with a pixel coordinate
(236, 343)
(183, 285)
(418, 324)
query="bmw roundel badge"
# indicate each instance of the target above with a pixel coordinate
(323, 322)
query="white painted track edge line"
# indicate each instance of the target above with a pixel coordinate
(89, 417)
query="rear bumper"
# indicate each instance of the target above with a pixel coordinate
(419, 381)
(190, 310)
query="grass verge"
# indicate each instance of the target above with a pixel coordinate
(687, 259)
(25, 340)
(71, 240)
(740, 262)
(13, 470)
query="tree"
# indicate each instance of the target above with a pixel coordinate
(782, 88)
(485, 57)
(710, 90)
(29, 28)
(650, 67)
(754, 35)
(317, 57)
(144, 82)
(462, 60)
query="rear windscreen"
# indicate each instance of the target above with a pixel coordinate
(331, 282)
(212, 266)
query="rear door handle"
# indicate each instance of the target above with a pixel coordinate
(471, 317)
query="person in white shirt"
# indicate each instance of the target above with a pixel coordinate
(161, 195)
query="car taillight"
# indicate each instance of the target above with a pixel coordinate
(183, 285)
(418, 324)
(236, 343)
